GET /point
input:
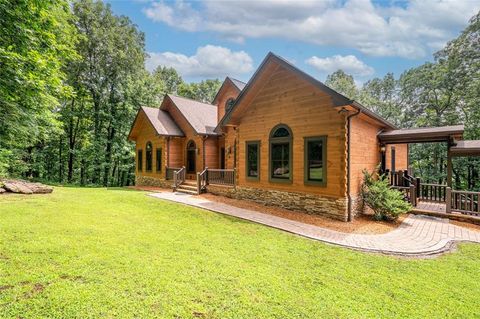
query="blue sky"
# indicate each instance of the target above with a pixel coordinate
(367, 39)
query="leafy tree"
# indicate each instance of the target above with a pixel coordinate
(37, 38)
(203, 91)
(343, 83)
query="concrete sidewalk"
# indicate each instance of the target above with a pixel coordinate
(417, 235)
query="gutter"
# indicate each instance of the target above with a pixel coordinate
(349, 195)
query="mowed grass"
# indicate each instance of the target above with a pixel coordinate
(98, 253)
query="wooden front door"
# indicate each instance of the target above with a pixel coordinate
(191, 157)
(222, 158)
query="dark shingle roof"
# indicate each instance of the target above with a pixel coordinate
(162, 121)
(201, 116)
(239, 84)
(421, 134)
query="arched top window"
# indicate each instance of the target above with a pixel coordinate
(229, 104)
(281, 153)
(280, 131)
(191, 145)
(148, 156)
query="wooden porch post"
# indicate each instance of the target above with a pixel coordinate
(168, 157)
(449, 167)
(448, 200)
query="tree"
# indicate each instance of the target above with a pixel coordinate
(343, 83)
(37, 38)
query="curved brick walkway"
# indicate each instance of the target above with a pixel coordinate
(417, 235)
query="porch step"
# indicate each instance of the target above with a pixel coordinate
(188, 187)
(186, 191)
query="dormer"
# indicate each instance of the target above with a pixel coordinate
(226, 95)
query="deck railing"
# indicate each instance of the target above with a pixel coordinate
(169, 172)
(178, 178)
(202, 180)
(433, 192)
(464, 202)
(224, 177)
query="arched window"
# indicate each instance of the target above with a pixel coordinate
(148, 157)
(281, 153)
(229, 104)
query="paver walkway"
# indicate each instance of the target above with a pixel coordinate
(417, 235)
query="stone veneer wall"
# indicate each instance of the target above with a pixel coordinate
(152, 181)
(335, 208)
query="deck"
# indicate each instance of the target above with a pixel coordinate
(431, 208)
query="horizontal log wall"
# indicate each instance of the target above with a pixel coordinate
(288, 99)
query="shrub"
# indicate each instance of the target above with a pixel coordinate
(386, 203)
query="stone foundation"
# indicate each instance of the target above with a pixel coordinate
(152, 181)
(335, 208)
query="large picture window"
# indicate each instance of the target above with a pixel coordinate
(281, 153)
(139, 160)
(158, 158)
(148, 157)
(316, 160)
(253, 159)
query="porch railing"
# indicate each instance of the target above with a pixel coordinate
(178, 178)
(169, 172)
(433, 192)
(464, 202)
(202, 180)
(224, 177)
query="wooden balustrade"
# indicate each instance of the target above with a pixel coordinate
(202, 180)
(433, 192)
(169, 172)
(178, 177)
(464, 202)
(221, 176)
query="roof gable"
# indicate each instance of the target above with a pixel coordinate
(260, 77)
(202, 117)
(227, 83)
(160, 120)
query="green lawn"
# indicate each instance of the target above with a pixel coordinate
(90, 253)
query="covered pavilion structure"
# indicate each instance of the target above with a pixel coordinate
(434, 199)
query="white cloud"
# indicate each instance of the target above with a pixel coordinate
(410, 30)
(209, 61)
(349, 63)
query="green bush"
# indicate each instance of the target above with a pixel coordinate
(386, 203)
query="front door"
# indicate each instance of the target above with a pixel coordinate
(222, 158)
(191, 157)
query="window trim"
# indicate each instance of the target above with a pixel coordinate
(308, 139)
(252, 178)
(227, 102)
(275, 140)
(146, 157)
(156, 159)
(139, 160)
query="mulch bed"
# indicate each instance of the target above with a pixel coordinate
(363, 224)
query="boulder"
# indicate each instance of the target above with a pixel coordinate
(2, 190)
(38, 188)
(24, 187)
(16, 187)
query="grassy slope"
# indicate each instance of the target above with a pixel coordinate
(90, 253)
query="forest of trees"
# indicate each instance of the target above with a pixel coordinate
(72, 77)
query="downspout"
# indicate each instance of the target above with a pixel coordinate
(349, 195)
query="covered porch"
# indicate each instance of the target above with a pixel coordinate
(429, 198)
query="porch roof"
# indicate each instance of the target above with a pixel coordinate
(421, 135)
(466, 148)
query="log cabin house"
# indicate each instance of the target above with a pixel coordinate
(284, 138)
